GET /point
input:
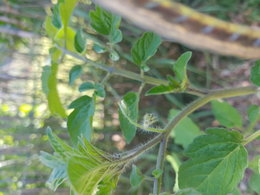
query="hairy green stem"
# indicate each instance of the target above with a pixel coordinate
(252, 137)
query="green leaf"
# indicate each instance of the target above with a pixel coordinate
(188, 191)
(56, 21)
(186, 130)
(99, 49)
(91, 169)
(180, 67)
(79, 42)
(50, 29)
(106, 23)
(255, 73)
(253, 113)
(61, 148)
(80, 120)
(226, 114)
(254, 182)
(157, 173)
(58, 174)
(216, 159)
(99, 90)
(49, 85)
(75, 73)
(160, 89)
(114, 56)
(129, 104)
(145, 48)
(135, 176)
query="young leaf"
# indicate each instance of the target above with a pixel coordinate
(61, 148)
(99, 49)
(58, 174)
(75, 73)
(145, 48)
(135, 176)
(69, 37)
(91, 169)
(160, 89)
(80, 120)
(86, 86)
(255, 73)
(180, 67)
(185, 132)
(106, 23)
(226, 114)
(157, 173)
(216, 159)
(130, 105)
(79, 42)
(253, 114)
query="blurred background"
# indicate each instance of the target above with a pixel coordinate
(24, 114)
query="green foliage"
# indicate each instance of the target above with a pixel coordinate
(217, 158)
(75, 73)
(107, 24)
(175, 85)
(145, 48)
(185, 131)
(255, 73)
(254, 182)
(180, 67)
(226, 114)
(128, 108)
(79, 42)
(90, 169)
(136, 176)
(157, 173)
(253, 113)
(56, 20)
(49, 86)
(80, 120)
(98, 88)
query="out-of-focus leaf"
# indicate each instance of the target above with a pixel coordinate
(80, 120)
(56, 21)
(135, 176)
(75, 73)
(255, 73)
(218, 158)
(254, 182)
(60, 38)
(107, 24)
(186, 130)
(157, 173)
(79, 42)
(50, 29)
(253, 113)
(49, 85)
(226, 114)
(129, 107)
(99, 89)
(66, 9)
(58, 174)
